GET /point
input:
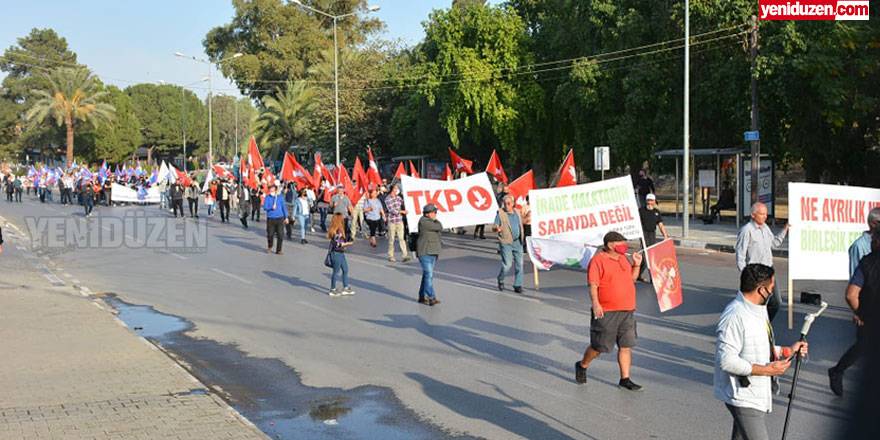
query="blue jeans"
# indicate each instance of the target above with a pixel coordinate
(211, 209)
(301, 220)
(511, 255)
(426, 290)
(339, 264)
(323, 213)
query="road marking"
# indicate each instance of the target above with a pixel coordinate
(174, 254)
(53, 279)
(453, 281)
(234, 277)
(334, 314)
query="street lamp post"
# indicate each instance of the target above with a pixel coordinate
(210, 92)
(335, 18)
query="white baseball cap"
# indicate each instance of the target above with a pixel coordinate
(651, 197)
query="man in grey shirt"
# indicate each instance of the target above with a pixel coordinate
(754, 245)
(340, 203)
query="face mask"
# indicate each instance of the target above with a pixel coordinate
(621, 248)
(765, 299)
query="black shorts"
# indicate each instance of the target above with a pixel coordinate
(613, 328)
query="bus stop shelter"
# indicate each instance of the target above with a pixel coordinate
(718, 154)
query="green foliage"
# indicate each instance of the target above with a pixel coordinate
(168, 114)
(285, 120)
(281, 41)
(26, 65)
(117, 141)
(73, 96)
(476, 43)
(230, 114)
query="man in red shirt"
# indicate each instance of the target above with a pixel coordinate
(613, 293)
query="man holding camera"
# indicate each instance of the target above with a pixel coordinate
(747, 361)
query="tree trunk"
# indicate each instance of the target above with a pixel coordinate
(69, 123)
(150, 155)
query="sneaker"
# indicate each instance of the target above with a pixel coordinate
(423, 301)
(433, 301)
(407, 259)
(279, 253)
(303, 241)
(392, 259)
(628, 384)
(347, 291)
(835, 380)
(334, 293)
(580, 373)
(500, 286)
(517, 289)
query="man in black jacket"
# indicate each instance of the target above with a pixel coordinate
(861, 294)
(177, 198)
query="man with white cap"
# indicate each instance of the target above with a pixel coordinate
(651, 220)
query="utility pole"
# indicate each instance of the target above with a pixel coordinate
(756, 144)
(685, 221)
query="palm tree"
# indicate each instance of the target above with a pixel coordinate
(73, 96)
(285, 119)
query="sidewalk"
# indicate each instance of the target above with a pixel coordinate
(71, 370)
(717, 236)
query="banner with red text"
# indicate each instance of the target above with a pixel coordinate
(825, 220)
(585, 213)
(461, 202)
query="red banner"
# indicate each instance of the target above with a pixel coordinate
(665, 274)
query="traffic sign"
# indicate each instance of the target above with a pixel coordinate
(751, 136)
(602, 158)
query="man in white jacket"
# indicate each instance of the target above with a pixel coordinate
(746, 357)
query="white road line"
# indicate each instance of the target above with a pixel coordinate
(334, 314)
(234, 277)
(454, 276)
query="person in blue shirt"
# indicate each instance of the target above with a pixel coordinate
(276, 218)
(862, 245)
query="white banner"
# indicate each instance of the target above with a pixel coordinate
(546, 253)
(585, 213)
(461, 202)
(121, 193)
(825, 220)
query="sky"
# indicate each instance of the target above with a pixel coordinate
(128, 42)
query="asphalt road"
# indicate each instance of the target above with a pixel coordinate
(482, 363)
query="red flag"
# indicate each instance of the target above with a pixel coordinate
(254, 157)
(567, 173)
(459, 164)
(292, 171)
(268, 180)
(353, 192)
(359, 175)
(373, 169)
(447, 174)
(401, 171)
(520, 187)
(222, 173)
(494, 168)
(412, 170)
(665, 274)
(183, 178)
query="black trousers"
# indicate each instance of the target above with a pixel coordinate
(855, 352)
(224, 211)
(18, 195)
(650, 238)
(177, 204)
(8, 196)
(255, 211)
(275, 228)
(481, 229)
(193, 207)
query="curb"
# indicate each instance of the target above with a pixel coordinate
(719, 247)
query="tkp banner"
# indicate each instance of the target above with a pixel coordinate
(825, 221)
(585, 213)
(461, 202)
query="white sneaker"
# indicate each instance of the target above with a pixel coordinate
(347, 291)
(334, 293)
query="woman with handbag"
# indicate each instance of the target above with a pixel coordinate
(336, 255)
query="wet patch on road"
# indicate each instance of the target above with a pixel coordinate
(270, 394)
